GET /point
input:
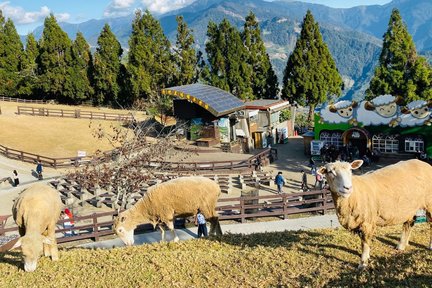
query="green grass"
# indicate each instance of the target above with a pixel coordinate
(316, 258)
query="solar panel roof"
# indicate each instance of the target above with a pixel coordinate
(215, 100)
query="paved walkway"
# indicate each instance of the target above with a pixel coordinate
(314, 222)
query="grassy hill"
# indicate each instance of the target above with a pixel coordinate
(318, 258)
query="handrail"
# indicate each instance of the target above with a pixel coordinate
(234, 208)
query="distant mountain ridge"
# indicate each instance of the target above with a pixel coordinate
(353, 35)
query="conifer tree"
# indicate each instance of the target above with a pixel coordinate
(400, 72)
(29, 71)
(77, 86)
(310, 75)
(54, 58)
(107, 67)
(227, 57)
(150, 64)
(185, 55)
(264, 80)
(10, 59)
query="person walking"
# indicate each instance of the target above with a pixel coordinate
(68, 223)
(15, 178)
(200, 221)
(39, 170)
(279, 181)
(304, 185)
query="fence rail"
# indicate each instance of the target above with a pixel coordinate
(77, 113)
(96, 225)
(19, 100)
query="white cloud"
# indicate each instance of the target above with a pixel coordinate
(62, 17)
(119, 8)
(119, 4)
(163, 6)
(20, 16)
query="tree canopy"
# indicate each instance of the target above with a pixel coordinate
(401, 72)
(310, 76)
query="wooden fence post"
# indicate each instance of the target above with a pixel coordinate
(242, 210)
(285, 206)
(95, 227)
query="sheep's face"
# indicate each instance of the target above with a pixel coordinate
(32, 249)
(123, 230)
(420, 113)
(339, 176)
(387, 111)
(345, 112)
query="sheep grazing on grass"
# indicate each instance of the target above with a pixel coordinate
(388, 196)
(36, 212)
(163, 202)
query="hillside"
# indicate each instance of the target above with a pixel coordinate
(317, 258)
(353, 35)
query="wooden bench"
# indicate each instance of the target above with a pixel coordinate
(206, 142)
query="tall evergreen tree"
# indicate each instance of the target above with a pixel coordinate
(12, 50)
(29, 71)
(227, 57)
(264, 80)
(150, 60)
(185, 55)
(401, 72)
(310, 75)
(54, 58)
(77, 86)
(107, 67)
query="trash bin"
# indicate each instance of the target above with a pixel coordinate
(250, 193)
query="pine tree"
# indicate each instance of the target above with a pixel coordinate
(150, 64)
(54, 58)
(264, 80)
(401, 72)
(227, 57)
(29, 70)
(107, 67)
(185, 55)
(12, 50)
(77, 86)
(310, 75)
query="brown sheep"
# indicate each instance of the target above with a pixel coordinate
(388, 196)
(163, 202)
(36, 212)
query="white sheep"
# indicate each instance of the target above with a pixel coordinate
(36, 212)
(163, 202)
(339, 112)
(382, 110)
(388, 196)
(416, 113)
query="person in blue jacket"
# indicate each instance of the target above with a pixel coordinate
(279, 181)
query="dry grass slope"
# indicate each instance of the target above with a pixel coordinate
(319, 258)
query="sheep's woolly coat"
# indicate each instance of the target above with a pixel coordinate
(388, 196)
(178, 197)
(36, 212)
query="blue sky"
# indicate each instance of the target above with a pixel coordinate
(28, 14)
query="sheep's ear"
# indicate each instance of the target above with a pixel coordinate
(17, 244)
(332, 109)
(322, 170)
(369, 106)
(356, 164)
(405, 110)
(399, 100)
(47, 241)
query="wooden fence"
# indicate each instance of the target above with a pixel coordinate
(77, 113)
(241, 209)
(18, 100)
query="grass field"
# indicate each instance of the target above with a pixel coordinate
(52, 136)
(316, 258)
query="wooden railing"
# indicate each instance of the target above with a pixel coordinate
(96, 225)
(77, 113)
(18, 100)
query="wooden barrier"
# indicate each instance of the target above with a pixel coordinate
(96, 225)
(19, 100)
(77, 113)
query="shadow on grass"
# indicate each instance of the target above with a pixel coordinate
(12, 258)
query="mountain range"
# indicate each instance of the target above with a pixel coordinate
(353, 35)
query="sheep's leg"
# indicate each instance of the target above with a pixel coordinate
(212, 225)
(170, 226)
(429, 218)
(53, 249)
(162, 232)
(366, 242)
(406, 231)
